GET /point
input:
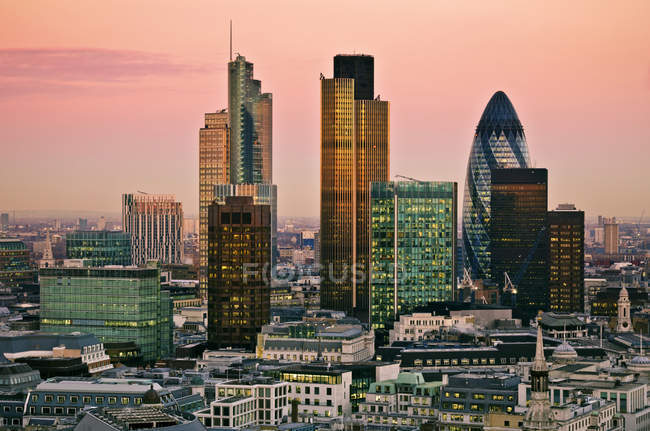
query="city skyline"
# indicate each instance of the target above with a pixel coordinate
(582, 95)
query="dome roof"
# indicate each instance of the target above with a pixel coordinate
(500, 112)
(640, 360)
(564, 352)
(151, 397)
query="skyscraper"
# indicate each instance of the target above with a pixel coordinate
(239, 271)
(499, 142)
(99, 248)
(251, 114)
(355, 142)
(155, 224)
(361, 68)
(114, 304)
(214, 168)
(611, 235)
(4, 221)
(519, 235)
(566, 227)
(412, 247)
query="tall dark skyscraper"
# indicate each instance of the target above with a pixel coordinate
(239, 271)
(499, 142)
(361, 68)
(355, 143)
(519, 235)
(566, 259)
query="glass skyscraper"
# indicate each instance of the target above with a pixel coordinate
(412, 247)
(15, 264)
(114, 304)
(499, 142)
(355, 147)
(251, 115)
(519, 236)
(99, 248)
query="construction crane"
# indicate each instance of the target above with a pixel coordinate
(509, 287)
(409, 178)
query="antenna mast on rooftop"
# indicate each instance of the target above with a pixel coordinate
(230, 40)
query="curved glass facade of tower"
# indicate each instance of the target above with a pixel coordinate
(499, 142)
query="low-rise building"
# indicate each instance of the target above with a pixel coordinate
(467, 399)
(342, 340)
(141, 418)
(405, 401)
(425, 326)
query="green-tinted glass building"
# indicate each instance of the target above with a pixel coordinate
(15, 264)
(99, 248)
(114, 304)
(412, 247)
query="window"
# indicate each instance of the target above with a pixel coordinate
(125, 400)
(137, 401)
(34, 397)
(48, 398)
(60, 399)
(99, 400)
(46, 410)
(112, 400)
(72, 411)
(86, 400)
(329, 391)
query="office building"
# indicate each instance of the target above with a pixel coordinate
(407, 400)
(355, 143)
(611, 235)
(99, 248)
(519, 236)
(499, 142)
(566, 230)
(155, 224)
(214, 168)
(331, 340)
(412, 247)
(361, 68)
(262, 194)
(82, 224)
(15, 263)
(239, 271)
(4, 221)
(426, 326)
(251, 122)
(467, 399)
(114, 304)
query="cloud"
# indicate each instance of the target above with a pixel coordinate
(62, 69)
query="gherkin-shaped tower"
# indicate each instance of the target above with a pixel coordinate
(499, 142)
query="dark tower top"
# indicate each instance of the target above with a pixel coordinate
(361, 68)
(499, 112)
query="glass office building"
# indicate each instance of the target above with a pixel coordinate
(114, 304)
(412, 247)
(15, 265)
(99, 248)
(519, 236)
(499, 142)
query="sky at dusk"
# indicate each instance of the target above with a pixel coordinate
(100, 98)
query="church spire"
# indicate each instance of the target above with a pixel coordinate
(539, 415)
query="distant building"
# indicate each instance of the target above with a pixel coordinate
(239, 276)
(82, 224)
(15, 263)
(4, 221)
(611, 236)
(99, 248)
(155, 224)
(413, 247)
(566, 227)
(114, 304)
(519, 235)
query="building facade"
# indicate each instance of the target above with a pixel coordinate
(611, 236)
(99, 248)
(251, 115)
(412, 247)
(424, 326)
(566, 230)
(114, 304)
(499, 142)
(214, 168)
(519, 235)
(239, 271)
(355, 144)
(155, 224)
(15, 263)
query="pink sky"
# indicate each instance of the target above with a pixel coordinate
(99, 98)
